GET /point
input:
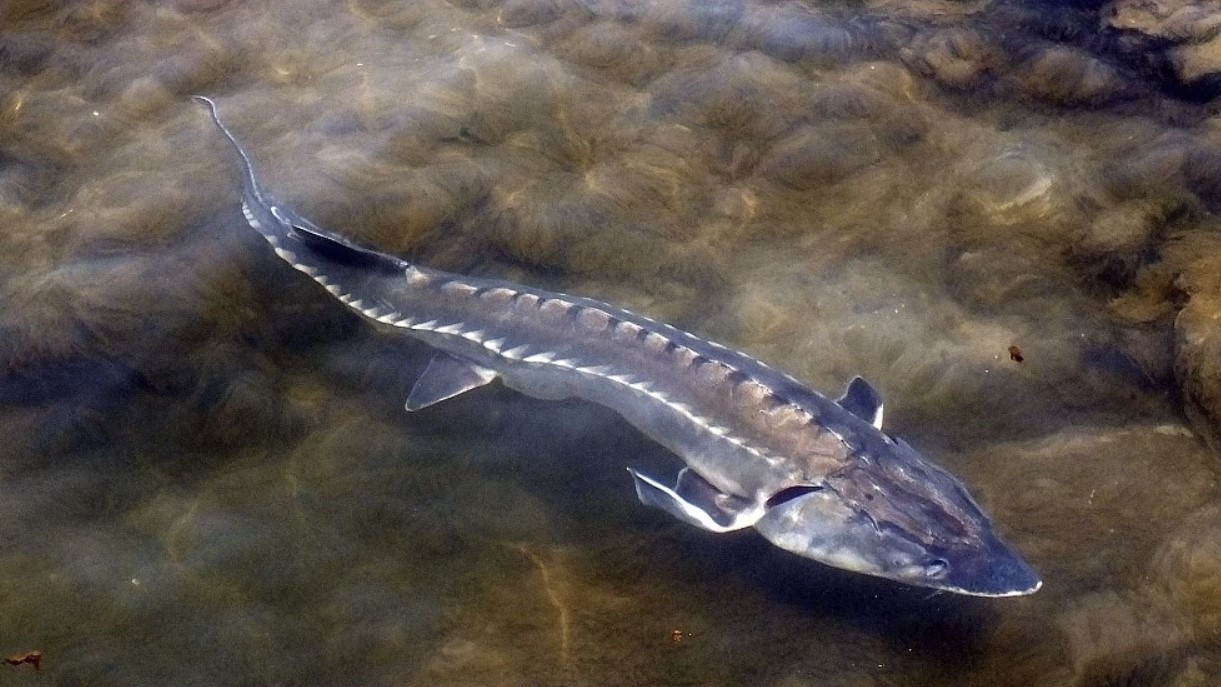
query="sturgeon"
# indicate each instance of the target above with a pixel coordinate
(814, 476)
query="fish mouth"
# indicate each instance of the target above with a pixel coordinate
(995, 570)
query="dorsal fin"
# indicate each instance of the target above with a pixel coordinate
(863, 401)
(261, 209)
(337, 248)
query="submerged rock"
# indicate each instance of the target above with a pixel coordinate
(1191, 28)
(1178, 20)
(1188, 567)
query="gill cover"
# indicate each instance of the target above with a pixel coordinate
(897, 516)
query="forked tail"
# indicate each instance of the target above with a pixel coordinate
(298, 241)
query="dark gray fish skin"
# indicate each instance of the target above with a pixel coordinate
(815, 476)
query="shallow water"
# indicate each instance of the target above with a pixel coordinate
(207, 476)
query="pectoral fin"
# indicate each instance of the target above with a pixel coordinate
(863, 401)
(445, 377)
(696, 502)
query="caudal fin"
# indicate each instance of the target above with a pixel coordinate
(297, 240)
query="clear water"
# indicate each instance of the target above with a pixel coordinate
(206, 476)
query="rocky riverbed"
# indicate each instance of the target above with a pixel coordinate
(1002, 214)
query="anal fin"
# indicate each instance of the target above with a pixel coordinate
(445, 377)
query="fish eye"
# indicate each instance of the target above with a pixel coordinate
(936, 567)
(786, 495)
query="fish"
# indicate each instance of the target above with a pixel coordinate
(813, 475)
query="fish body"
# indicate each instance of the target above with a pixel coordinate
(813, 475)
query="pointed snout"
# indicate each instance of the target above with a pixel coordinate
(995, 570)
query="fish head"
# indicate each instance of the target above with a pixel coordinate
(893, 514)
